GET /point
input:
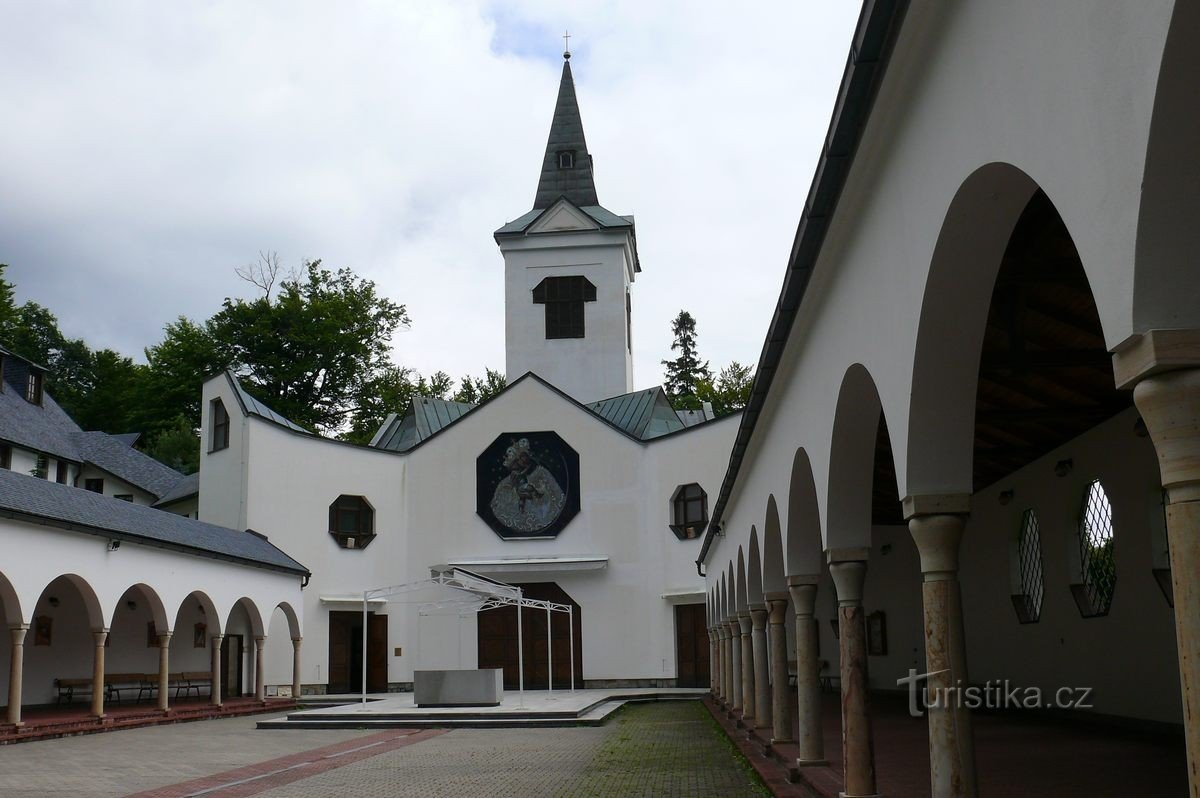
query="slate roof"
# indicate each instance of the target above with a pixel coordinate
(185, 488)
(43, 428)
(121, 460)
(566, 133)
(41, 501)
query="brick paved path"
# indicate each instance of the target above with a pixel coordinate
(659, 749)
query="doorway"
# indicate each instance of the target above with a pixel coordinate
(232, 659)
(346, 652)
(498, 640)
(691, 646)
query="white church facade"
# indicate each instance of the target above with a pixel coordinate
(568, 483)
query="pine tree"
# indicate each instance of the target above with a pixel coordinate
(686, 372)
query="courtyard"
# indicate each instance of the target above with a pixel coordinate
(653, 749)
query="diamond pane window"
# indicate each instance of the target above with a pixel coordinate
(1028, 603)
(1097, 560)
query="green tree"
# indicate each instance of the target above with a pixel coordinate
(730, 391)
(392, 391)
(176, 368)
(686, 371)
(474, 390)
(177, 445)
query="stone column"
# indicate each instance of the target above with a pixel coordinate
(98, 636)
(811, 742)
(164, 675)
(762, 670)
(735, 664)
(848, 567)
(1170, 405)
(16, 669)
(726, 664)
(216, 670)
(260, 673)
(296, 688)
(936, 525)
(781, 714)
(746, 646)
(713, 673)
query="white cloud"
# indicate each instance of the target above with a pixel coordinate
(150, 148)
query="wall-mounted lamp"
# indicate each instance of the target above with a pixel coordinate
(113, 545)
(885, 549)
(1064, 467)
(721, 529)
(1006, 497)
(52, 601)
(131, 604)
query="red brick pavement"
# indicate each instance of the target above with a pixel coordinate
(263, 776)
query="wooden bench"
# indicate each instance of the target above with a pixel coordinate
(188, 681)
(117, 683)
(67, 688)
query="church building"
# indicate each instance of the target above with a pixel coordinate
(569, 483)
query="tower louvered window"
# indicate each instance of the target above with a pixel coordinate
(564, 298)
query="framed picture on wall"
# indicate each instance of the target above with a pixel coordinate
(42, 626)
(200, 636)
(877, 634)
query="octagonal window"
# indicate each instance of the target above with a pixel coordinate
(352, 522)
(689, 511)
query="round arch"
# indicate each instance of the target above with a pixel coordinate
(206, 607)
(754, 575)
(257, 625)
(1167, 234)
(741, 596)
(774, 580)
(158, 612)
(97, 620)
(852, 455)
(941, 418)
(293, 619)
(10, 603)
(731, 607)
(803, 520)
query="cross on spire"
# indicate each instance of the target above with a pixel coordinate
(566, 44)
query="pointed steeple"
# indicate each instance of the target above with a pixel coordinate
(567, 167)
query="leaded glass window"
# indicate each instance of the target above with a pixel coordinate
(1097, 560)
(689, 511)
(1028, 603)
(352, 522)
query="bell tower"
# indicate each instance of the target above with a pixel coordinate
(569, 267)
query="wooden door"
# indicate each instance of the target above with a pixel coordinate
(377, 675)
(691, 646)
(497, 637)
(339, 651)
(231, 666)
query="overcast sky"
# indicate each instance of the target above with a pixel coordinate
(149, 149)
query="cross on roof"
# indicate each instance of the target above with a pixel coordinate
(566, 44)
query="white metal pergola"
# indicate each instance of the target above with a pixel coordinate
(464, 593)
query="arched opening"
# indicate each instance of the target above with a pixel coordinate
(242, 626)
(131, 661)
(10, 613)
(754, 574)
(804, 520)
(282, 628)
(196, 622)
(60, 644)
(1167, 234)
(741, 593)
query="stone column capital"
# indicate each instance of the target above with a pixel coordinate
(777, 609)
(744, 622)
(296, 641)
(848, 578)
(915, 505)
(1155, 352)
(938, 538)
(259, 639)
(1168, 405)
(99, 636)
(758, 616)
(164, 639)
(802, 579)
(804, 599)
(18, 633)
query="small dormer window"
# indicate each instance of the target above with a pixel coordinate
(566, 159)
(33, 388)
